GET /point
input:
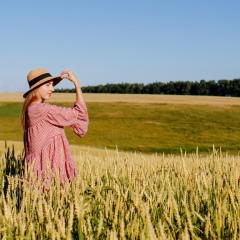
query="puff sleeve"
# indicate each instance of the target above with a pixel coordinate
(76, 117)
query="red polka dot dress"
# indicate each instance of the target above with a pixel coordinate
(46, 146)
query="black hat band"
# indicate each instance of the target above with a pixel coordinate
(39, 78)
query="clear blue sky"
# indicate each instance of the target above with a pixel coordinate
(115, 41)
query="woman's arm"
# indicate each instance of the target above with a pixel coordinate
(70, 75)
(76, 117)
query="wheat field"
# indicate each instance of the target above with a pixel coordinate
(125, 195)
(133, 98)
(121, 195)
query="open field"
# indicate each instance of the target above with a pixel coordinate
(165, 194)
(133, 98)
(154, 124)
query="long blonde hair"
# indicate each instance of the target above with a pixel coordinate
(30, 98)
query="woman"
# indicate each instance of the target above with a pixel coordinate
(47, 151)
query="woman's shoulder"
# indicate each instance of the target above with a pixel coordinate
(40, 107)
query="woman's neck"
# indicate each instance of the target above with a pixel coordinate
(37, 101)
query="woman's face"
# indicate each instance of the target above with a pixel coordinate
(45, 90)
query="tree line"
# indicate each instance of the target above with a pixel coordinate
(207, 88)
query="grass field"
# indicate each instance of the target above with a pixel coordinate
(146, 123)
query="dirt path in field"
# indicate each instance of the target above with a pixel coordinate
(132, 98)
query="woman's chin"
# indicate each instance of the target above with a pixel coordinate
(48, 96)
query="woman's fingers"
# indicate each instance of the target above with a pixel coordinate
(69, 75)
(66, 71)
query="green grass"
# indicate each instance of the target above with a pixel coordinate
(146, 127)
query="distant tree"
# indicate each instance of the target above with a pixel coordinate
(213, 88)
(186, 88)
(182, 88)
(170, 88)
(203, 88)
(235, 88)
(224, 87)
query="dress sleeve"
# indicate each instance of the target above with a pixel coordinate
(76, 117)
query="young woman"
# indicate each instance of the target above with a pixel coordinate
(47, 151)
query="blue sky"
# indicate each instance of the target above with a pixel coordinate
(115, 41)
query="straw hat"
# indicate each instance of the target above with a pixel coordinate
(39, 76)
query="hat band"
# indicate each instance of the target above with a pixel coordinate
(39, 78)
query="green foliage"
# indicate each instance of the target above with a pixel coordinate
(222, 87)
(13, 168)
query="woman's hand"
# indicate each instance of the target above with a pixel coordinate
(69, 75)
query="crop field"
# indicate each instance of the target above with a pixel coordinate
(143, 123)
(132, 98)
(126, 196)
(150, 167)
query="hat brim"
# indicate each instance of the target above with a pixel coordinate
(55, 80)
